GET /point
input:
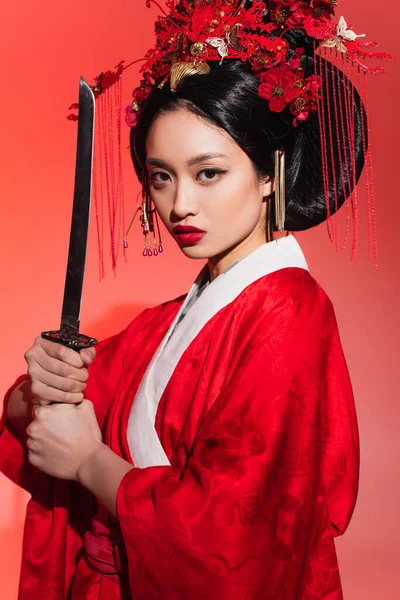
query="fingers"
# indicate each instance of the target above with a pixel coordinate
(42, 413)
(44, 402)
(88, 355)
(59, 362)
(34, 459)
(52, 378)
(57, 373)
(34, 405)
(32, 445)
(58, 351)
(32, 427)
(49, 394)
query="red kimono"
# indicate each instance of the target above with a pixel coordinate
(243, 429)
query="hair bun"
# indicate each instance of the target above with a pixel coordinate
(228, 97)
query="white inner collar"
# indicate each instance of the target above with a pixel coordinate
(145, 447)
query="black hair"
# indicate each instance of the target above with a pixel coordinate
(228, 97)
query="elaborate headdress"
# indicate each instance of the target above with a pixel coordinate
(192, 33)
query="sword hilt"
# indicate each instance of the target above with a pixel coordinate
(70, 337)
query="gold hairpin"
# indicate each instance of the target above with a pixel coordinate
(280, 189)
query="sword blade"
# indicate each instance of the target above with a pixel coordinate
(80, 213)
(69, 335)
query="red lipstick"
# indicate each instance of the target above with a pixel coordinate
(187, 235)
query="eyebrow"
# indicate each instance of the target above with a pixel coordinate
(157, 162)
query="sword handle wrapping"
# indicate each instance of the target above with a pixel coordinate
(68, 336)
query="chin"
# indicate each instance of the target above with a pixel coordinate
(203, 251)
(194, 251)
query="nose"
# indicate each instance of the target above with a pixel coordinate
(185, 202)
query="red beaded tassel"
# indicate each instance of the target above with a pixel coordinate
(108, 189)
(372, 237)
(336, 105)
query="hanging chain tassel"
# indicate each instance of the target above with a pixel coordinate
(341, 144)
(129, 228)
(148, 221)
(107, 170)
(322, 132)
(336, 107)
(98, 203)
(280, 189)
(369, 182)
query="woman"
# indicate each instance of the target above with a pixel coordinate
(211, 448)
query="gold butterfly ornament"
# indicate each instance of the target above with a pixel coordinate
(342, 34)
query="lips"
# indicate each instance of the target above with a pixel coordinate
(187, 235)
(187, 229)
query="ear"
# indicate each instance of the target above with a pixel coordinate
(267, 186)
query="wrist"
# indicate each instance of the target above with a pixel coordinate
(88, 467)
(101, 473)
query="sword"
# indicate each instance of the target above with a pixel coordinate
(68, 334)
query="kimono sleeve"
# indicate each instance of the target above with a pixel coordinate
(271, 478)
(13, 463)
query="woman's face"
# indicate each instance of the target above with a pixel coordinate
(200, 177)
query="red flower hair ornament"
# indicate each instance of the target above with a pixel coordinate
(197, 31)
(190, 33)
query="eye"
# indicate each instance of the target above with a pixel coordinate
(205, 176)
(210, 175)
(159, 177)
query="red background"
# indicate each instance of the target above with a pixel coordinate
(44, 47)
